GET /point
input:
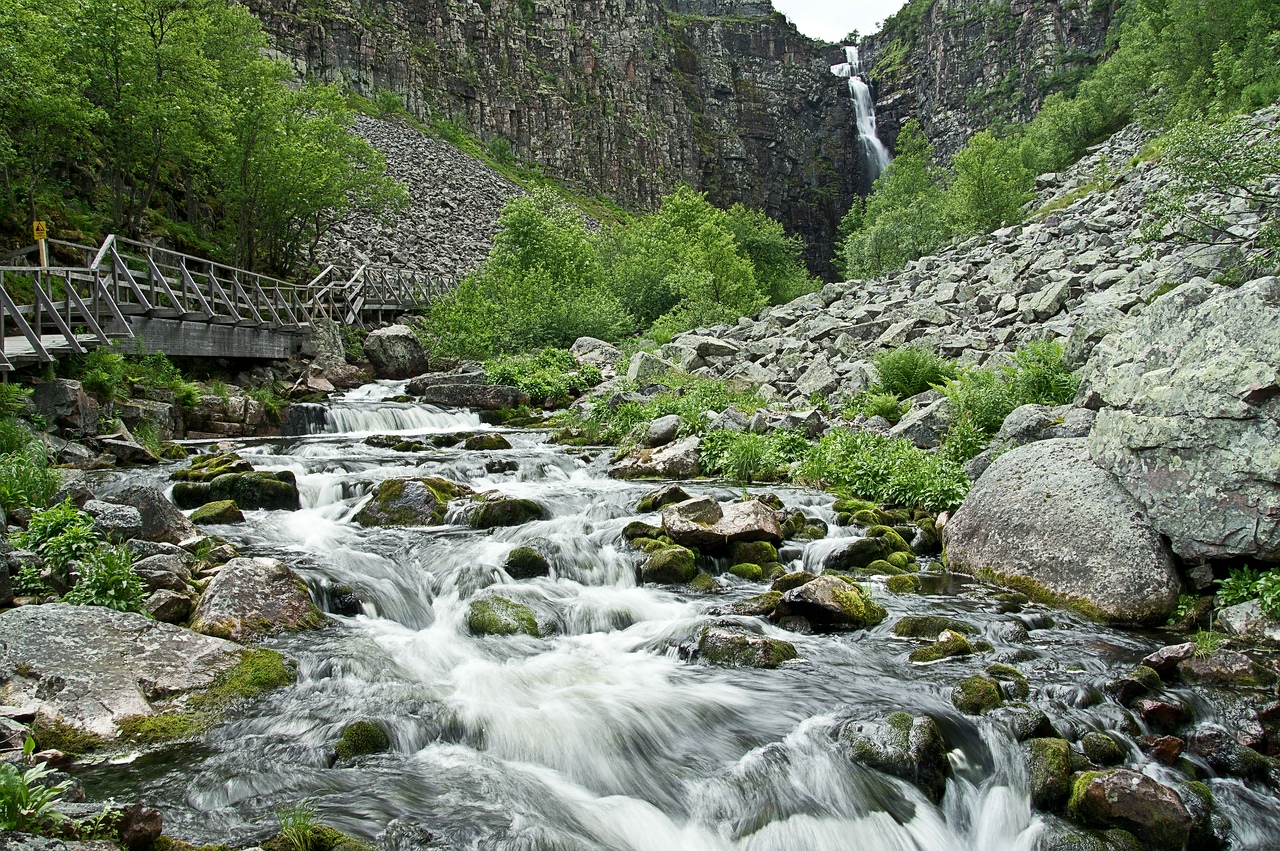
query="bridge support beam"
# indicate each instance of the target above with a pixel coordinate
(206, 340)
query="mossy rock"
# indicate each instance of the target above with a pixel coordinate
(206, 468)
(703, 583)
(500, 616)
(639, 529)
(907, 583)
(526, 563)
(221, 513)
(486, 443)
(928, 542)
(1049, 764)
(749, 572)
(904, 746)
(651, 545)
(1012, 681)
(859, 552)
(976, 695)
(831, 603)
(408, 502)
(844, 519)
(929, 626)
(902, 561)
(814, 530)
(896, 542)
(737, 648)
(753, 552)
(1101, 749)
(868, 517)
(360, 738)
(670, 566)
(853, 506)
(171, 451)
(949, 644)
(788, 581)
(491, 512)
(272, 491)
(319, 838)
(881, 567)
(656, 500)
(757, 606)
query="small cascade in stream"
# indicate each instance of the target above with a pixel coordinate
(864, 110)
(372, 409)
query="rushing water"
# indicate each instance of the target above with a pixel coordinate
(864, 112)
(603, 735)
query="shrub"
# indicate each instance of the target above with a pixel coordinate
(107, 579)
(60, 535)
(749, 458)
(297, 823)
(1240, 586)
(1040, 376)
(1268, 588)
(884, 470)
(25, 478)
(13, 398)
(28, 803)
(548, 374)
(873, 404)
(910, 370)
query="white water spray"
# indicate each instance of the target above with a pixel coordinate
(864, 110)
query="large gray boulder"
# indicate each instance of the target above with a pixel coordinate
(161, 519)
(395, 352)
(679, 460)
(252, 597)
(706, 525)
(1047, 520)
(588, 351)
(91, 666)
(486, 397)
(1189, 417)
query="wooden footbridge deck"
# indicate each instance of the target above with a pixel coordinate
(179, 304)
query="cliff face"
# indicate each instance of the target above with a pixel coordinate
(625, 97)
(959, 65)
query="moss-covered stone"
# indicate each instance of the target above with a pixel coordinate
(976, 695)
(206, 468)
(853, 506)
(1145, 676)
(656, 500)
(788, 581)
(500, 616)
(54, 734)
(250, 491)
(360, 738)
(651, 545)
(490, 511)
(907, 583)
(737, 648)
(868, 517)
(749, 572)
(814, 530)
(895, 541)
(881, 567)
(757, 606)
(319, 838)
(859, 552)
(670, 566)
(221, 513)
(487, 442)
(1013, 682)
(949, 644)
(1101, 749)
(906, 747)
(1049, 771)
(639, 529)
(929, 626)
(526, 563)
(928, 542)
(753, 552)
(901, 561)
(703, 583)
(831, 603)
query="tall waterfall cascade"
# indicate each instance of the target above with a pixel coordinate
(864, 110)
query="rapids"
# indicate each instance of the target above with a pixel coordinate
(604, 735)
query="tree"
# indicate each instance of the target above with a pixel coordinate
(990, 184)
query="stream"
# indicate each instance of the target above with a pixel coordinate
(607, 734)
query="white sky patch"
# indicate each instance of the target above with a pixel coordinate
(832, 20)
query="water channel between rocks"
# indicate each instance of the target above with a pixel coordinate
(605, 735)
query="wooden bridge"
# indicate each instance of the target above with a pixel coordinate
(179, 304)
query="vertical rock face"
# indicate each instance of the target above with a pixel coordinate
(958, 65)
(625, 97)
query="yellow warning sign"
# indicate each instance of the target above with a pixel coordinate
(40, 230)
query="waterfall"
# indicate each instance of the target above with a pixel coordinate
(864, 110)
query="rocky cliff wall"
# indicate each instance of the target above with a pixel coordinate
(959, 65)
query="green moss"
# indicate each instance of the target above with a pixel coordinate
(670, 566)
(860, 610)
(745, 651)
(788, 581)
(853, 506)
(749, 572)
(492, 512)
(650, 545)
(1079, 787)
(976, 695)
(639, 529)
(1101, 749)
(527, 563)
(869, 517)
(487, 443)
(890, 535)
(753, 552)
(1050, 773)
(57, 735)
(206, 468)
(164, 727)
(500, 616)
(1147, 676)
(759, 605)
(1040, 594)
(218, 513)
(881, 567)
(902, 561)
(319, 838)
(907, 583)
(703, 583)
(929, 626)
(951, 644)
(360, 738)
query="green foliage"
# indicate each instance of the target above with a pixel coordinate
(989, 186)
(911, 370)
(297, 823)
(353, 343)
(964, 441)
(1206, 642)
(25, 478)
(109, 372)
(27, 803)
(874, 467)
(13, 398)
(873, 404)
(60, 535)
(547, 374)
(749, 458)
(688, 396)
(982, 398)
(1245, 583)
(271, 401)
(1268, 588)
(107, 579)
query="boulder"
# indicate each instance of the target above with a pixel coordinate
(526, 563)
(486, 397)
(656, 500)
(164, 571)
(161, 521)
(395, 352)
(830, 603)
(976, 695)
(91, 666)
(253, 597)
(1047, 520)
(679, 460)
(1225, 669)
(249, 491)
(644, 366)
(927, 426)
(221, 513)
(409, 502)
(1247, 620)
(489, 442)
(906, 747)
(168, 606)
(116, 523)
(710, 527)
(500, 616)
(206, 468)
(1190, 417)
(491, 510)
(65, 404)
(662, 431)
(1134, 802)
(1049, 772)
(670, 566)
(588, 351)
(858, 553)
(735, 647)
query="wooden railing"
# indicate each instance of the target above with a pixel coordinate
(87, 305)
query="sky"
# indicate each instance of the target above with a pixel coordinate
(831, 20)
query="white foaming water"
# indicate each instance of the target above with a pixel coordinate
(864, 111)
(369, 410)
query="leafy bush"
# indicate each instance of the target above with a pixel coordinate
(108, 373)
(688, 396)
(272, 402)
(60, 535)
(751, 458)
(25, 478)
(1245, 583)
(979, 398)
(1268, 588)
(982, 398)
(107, 579)
(548, 374)
(910, 370)
(13, 398)
(872, 404)
(884, 470)
(28, 803)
